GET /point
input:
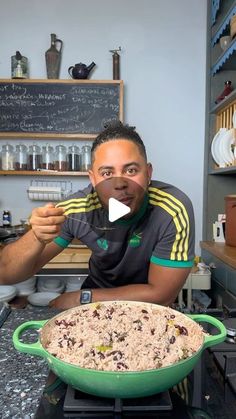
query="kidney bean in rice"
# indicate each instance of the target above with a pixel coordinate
(123, 336)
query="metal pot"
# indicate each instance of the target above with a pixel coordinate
(109, 383)
(6, 234)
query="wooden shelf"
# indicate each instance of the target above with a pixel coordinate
(52, 136)
(40, 173)
(225, 253)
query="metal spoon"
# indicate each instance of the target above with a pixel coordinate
(91, 225)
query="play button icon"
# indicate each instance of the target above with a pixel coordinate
(116, 209)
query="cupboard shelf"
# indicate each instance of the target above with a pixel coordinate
(223, 171)
(224, 103)
(222, 27)
(39, 173)
(214, 9)
(226, 60)
(218, 182)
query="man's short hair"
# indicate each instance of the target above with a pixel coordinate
(115, 131)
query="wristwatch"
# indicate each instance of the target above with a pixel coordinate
(85, 296)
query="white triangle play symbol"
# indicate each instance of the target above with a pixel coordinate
(116, 209)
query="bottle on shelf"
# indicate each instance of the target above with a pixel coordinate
(86, 158)
(60, 159)
(53, 57)
(48, 157)
(74, 158)
(227, 90)
(8, 156)
(6, 218)
(20, 157)
(34, 159)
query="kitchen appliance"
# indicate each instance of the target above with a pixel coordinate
(224, 356)
(109, 383)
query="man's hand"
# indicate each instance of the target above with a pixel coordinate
(66, 300)
(46, 222)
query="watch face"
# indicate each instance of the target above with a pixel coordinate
(85, 297)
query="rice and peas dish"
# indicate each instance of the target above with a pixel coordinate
(123, 336)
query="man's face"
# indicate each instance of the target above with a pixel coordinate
(120, 171)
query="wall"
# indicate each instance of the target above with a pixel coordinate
(162, 65)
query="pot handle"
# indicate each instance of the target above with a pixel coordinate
(211, 339)
(30, 348)
(70, 70)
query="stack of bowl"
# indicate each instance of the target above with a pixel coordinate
(74, 283)
(27, 287)
(50, 284)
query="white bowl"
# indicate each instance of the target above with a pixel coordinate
(49, 282)
(7, 293)
(43, 288)
(27, 287)
(74, 283)
(42, 299)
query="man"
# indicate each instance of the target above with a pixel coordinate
(145, 256)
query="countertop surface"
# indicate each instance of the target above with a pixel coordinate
(225, 253)
(23, 376)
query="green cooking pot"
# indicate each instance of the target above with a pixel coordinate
(117, 384)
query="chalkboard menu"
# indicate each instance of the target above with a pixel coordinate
(59, 107)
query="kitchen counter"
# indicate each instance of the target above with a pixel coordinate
(23, 376)
(225, 253)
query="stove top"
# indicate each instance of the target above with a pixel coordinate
(65, 402)
(82, 404)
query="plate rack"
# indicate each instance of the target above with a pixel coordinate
(49, 190)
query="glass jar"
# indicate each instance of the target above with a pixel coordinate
(19, 66)
(86, 158)
(8, 156)
(60, 160)
(20, 157)
(74, 157)
(48, 157)
(34, 160)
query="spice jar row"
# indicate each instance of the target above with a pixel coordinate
(34, 157)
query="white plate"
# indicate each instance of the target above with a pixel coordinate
(7, 293)
(225, 149)
(215, 147)
(234, 119)
(42, 298)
